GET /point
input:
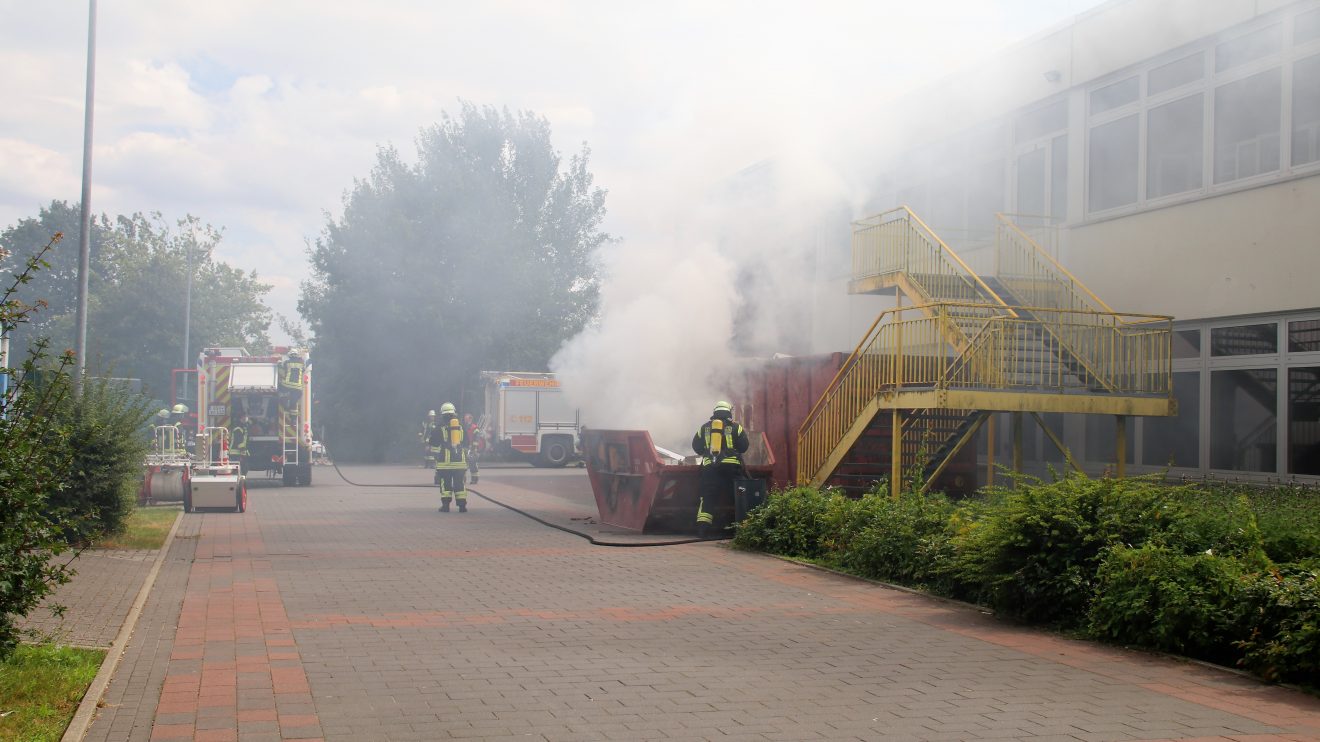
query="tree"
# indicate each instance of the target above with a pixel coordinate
(478, 256)
(33, 456)
(137, 293)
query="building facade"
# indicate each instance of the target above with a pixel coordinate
(1174, 146)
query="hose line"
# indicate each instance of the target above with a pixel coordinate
(593, 540)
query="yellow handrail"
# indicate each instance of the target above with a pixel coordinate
(1019, 352)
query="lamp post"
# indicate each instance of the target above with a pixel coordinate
(85, 233)
(187, 299)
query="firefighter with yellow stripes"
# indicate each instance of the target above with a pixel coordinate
(449, 445)
(721, 442)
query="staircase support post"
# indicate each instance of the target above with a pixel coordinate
(1017, 442)
(896, 455)
(1121, 421)
(990, 450)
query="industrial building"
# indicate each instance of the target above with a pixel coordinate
(1163, 159)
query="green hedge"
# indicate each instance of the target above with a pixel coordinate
(1224, 573)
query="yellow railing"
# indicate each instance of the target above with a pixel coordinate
(1015, 348)
(898, 242)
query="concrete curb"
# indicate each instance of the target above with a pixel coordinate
(86, 713)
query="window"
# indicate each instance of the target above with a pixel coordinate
(1304, 336)
(1112, 96)
(1059, 178)
(1251, 46)
(1102, 439)
(1247, 121)
(1112, 180)
(986, 195)
(1175, 74)
(1173, 147)
(1306, 111)
(1037, 123)
(1306, 27)
(1244, 340)
(1243, 419)
(1031, 182)
(1304, 420)
(1187, 343)
(1175, 441)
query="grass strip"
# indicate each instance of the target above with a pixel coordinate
(146, 528)
(40, 688)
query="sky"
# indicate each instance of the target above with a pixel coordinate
(258, 116)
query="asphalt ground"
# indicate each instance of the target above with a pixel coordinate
(361, 613)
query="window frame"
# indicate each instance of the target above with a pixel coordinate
(1208, 84)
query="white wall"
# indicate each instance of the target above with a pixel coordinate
(1251, 251)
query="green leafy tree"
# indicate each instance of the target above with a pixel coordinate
(137, 293)
(34, 454)
(477, 256)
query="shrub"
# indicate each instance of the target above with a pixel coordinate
(32, 451)
(106, 449)
(903, 540)
(1157, 597)
(792, 522)
(1283, 638)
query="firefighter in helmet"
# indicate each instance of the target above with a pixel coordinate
(449, 446)
(721, 442)
(177, 415)
(238, 443)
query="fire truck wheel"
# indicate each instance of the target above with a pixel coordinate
(289, 476)
(306, 475)
(556, 450)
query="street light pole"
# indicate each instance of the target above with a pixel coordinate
(187, 300)
(85, 232)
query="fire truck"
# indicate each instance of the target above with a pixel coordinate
(527, 417)
(271, 397)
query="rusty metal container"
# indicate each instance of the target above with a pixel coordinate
(638, 489)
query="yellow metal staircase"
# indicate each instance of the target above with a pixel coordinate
(1029, 338)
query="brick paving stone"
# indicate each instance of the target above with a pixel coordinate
(363, 614)
(96, 600)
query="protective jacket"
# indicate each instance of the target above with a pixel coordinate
(721, 441)
(449, 444)
(239, 440)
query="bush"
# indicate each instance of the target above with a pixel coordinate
(106, 449)
(1283, 639)
(792, 522)
(903, 540)
(1156, 597)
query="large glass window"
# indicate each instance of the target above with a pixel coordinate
(1187, 343)
(1247, 125)
(1306, 111)
(1175, 74)
(1102, 439)
(985, 197)
(1250, 46)
(1244, 419)
(1173, 147)
(1304, 420)
(1031, 182)
(1113, 161)
(1176, 440)
(1059, 178)
(1038, 122)
(1112, 96)
(1244, 340)
(1306, 27)
(1304, 336)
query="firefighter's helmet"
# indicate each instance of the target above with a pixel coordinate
(430, 413)
(448, 409)
(164, 414)
(180, 409)
(725, 407)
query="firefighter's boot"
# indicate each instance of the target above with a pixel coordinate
(444, 504)
(462, 506)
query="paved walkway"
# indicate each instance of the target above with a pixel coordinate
(350, 613)
(96, 600)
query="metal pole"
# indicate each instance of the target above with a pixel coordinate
(187, 301)
(85, 233)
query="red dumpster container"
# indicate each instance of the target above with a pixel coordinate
(637, 489)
